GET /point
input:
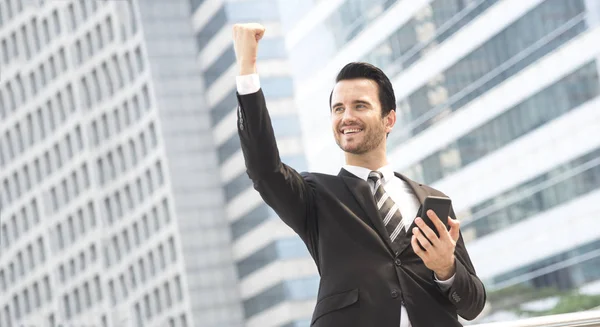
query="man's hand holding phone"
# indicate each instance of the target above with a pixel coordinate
(439, 251)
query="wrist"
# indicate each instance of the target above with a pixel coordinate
(247, 67)
(445, 273)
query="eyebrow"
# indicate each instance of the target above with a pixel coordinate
(353, 102)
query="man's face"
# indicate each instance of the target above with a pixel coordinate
(356, 119)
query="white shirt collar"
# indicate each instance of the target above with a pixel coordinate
(362, 172)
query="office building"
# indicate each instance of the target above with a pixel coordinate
(497, 107)
(277, 278)
(107, 205)
(194, 169)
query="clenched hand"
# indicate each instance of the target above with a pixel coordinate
(245, 41)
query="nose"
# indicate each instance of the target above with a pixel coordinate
(348, 116)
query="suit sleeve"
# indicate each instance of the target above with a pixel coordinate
(289, 193)
(467, 292)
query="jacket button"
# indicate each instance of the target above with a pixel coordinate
(456, 297)
(398, 262)
(395, 293)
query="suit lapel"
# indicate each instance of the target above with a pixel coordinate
(421, 194)
(362, 193)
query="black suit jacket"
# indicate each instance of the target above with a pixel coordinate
(364, 278)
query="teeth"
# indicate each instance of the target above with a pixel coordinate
(352, 131)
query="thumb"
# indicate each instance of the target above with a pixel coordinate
(454, 228)
(260, 33)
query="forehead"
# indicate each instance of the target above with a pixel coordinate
(354, 89)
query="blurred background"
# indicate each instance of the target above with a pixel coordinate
(124, 197)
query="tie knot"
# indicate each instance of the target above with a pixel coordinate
(375, 176)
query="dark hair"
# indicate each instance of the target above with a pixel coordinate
(356, 70)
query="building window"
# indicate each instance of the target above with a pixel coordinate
(142, 269)
(161, 256)
(42, 250)
(139, 60)
(108, 79)
(72, 17)
(147, 307)
(37, 298)
(17, 308)
(93, 253)
(62, 274)
(136, 233)
(152, 264)
(132, 277)
(71, 98)
(98, 288)
(123, 286)
(71, 230)
(166, 213)
(91, 213)
(126, 241)
(157, 300)
(108, 210)
(110, 30)
(136, 107)
(117, 120)
(30, 260)
(146, 98)
(113, 297)
(73, 269)
(87, 295)
(116, 247)
(86, 93)
(80, 218)
(146, 227)
(119, 204)
(77, 301)
(140, 190)
(138, 315)
(129, 64)
(123, 166)
(95, 133)
(67, 306)
(179, 288)
(59, 236)
(172, 249)
(47, 289)
(167, 287)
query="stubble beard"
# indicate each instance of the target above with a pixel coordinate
(372, 139)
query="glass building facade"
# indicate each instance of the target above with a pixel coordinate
(277, 278)
(496, 101)
(105, 170)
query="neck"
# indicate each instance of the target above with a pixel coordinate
(372, 160)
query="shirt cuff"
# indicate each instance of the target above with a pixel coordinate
(247, 84)
(445, 284)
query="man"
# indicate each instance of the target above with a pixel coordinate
(379, 265)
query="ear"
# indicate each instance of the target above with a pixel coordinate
(390, 121)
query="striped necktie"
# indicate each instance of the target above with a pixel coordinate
(388, 209)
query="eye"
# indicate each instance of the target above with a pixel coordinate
(360, 105)
(338, 109)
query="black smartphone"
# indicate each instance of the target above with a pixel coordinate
(441, 207)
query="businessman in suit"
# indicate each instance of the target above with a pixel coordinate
(380, 264)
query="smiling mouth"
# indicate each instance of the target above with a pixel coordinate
(351, 131)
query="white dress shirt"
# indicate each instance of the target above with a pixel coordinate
(398, 189)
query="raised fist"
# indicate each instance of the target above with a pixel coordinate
(245, 42)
